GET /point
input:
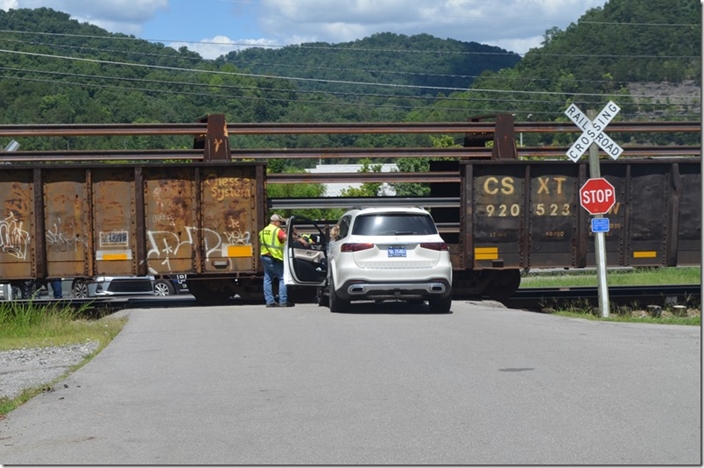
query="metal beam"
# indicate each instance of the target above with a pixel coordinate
(360, 202)
(196, 129)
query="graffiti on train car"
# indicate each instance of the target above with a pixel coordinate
(14, 240)
(228, 187)
(174, 232)
(165, 245)
(167, 242)
(64, 237)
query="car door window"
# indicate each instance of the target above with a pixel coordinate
(344, 227)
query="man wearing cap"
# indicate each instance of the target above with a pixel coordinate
(271, 241)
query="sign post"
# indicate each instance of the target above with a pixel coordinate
(597, 195)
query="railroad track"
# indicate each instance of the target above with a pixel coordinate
(538, 299)
(530, 299)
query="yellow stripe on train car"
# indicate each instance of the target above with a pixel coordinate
(486, 253)
(113, 256)
(645, 254)
(240, 251)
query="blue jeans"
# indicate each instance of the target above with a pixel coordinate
(56, 287)
(273, 268)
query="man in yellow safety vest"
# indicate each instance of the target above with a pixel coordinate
(271, 242)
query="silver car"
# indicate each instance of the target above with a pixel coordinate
(107, 286)
(381, 254)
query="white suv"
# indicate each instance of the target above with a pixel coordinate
(382, 253)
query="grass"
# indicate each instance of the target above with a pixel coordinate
(623, 277)
(664, 319)
(26, 325)
(614, 277)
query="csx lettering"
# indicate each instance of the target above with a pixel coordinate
(545, 182)
(492, 185)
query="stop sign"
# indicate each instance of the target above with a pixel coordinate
(597, 196)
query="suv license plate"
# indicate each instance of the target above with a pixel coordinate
(397, 251)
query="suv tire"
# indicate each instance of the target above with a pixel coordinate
(337, 304)
(440, 305)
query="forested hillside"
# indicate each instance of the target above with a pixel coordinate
(422, 63)
(57, 70)
(603, 55)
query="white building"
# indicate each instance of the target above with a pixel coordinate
(334, 190)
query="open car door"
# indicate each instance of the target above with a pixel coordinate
(305, 263)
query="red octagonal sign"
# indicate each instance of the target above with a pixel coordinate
(597, 196)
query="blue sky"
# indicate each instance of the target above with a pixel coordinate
(215, 27)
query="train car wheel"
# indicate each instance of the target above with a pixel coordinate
(209, 292)
(504, 285)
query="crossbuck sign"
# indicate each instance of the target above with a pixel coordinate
(593, 131)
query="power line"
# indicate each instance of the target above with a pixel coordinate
(308, 67)
(266, 46)
(289, 78)
(676, 25)
(348, 48)
(260, 88)
(317, 102)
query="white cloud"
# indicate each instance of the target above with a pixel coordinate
(221, 45)
(512, 24)
(7, 4)
(125, 16)
(515, 25)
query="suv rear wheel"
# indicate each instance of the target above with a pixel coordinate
(337, 304)
(440, 305)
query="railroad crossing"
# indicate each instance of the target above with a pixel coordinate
(593, 131)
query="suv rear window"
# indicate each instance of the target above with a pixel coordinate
(393, 224)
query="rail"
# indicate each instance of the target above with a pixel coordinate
(68, 130)
(213, 138)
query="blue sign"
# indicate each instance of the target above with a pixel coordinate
(600, 224)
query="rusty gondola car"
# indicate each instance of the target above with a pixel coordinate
(518, 215)
(84, 218)
(83, 221)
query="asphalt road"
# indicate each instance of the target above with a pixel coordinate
(389, 384)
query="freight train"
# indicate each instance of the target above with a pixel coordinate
(72, 214)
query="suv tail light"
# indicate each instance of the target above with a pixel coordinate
(440, 246)
(355, 247)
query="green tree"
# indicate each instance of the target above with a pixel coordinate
(367, 189)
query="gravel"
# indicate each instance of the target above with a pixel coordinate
(23, 369)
